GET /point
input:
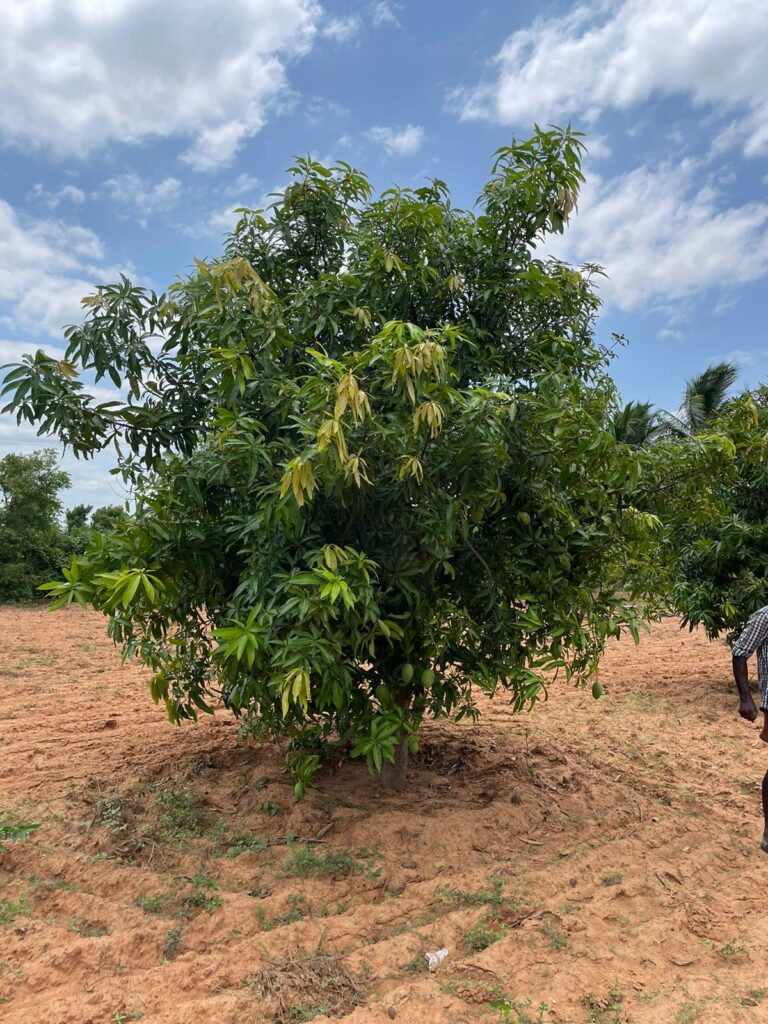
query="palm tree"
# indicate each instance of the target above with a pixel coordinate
(705, 398)
(636, 424)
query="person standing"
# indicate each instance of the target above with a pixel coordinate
(754, 638)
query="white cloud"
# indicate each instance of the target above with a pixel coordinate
(618, 53)
(383, 13)
(398, 141)
(76, 75)
(746, 357)
(67, 194)
(243, 185)
(143, 198)
(668, 334)
(46, 267)
(663, 236)
(341, 30)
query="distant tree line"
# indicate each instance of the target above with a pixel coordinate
(37, 536)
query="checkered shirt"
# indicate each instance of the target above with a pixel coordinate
(755, 638)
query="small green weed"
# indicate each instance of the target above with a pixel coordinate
(483, 935)
(88, 929)
(604, 1009)
(492, 897)
(197, 903)
(733, 948)
(111, 813)
(417, 966)
(10, 910)
(153, 904)
(303, 862)
(557, 939)
(14, 831)
(689, 1012)
(509, 1007)
(296, 903)
(244, 843)
(180, 816)
(50, 884)
(270, 808)
(172, 943)
(305, 1012)
(122, 1016)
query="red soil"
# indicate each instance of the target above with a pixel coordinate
(617, 843)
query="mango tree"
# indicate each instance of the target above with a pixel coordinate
(372, 471)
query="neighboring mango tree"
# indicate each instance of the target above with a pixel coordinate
(721, 565)
(372, 472)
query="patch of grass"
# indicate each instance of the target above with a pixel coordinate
(180, 816)
(270, 808)
(302, 1013)
(483, 935)
(242, 843)
(197, 903)
(193, 903)
(88, 929)
(492, 897)
(417, 966)
(172, 943)
(50, 884)
(371, 868)
(14, 831)
(298, 989)
(513, 1012)
(123, 1016)
(296, 912)
(557, 939)
(110, 812)
(303, 862)
(266, 923)
(153, 904)
(687, 1013)
(732, 948)
(604, 1009)
(11, 909)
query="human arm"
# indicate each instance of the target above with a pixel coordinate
(754, 634)
(747, 706)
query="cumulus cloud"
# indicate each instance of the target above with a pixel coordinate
(398, 141)
(76, 75)
(134, 195)
(53, 199)
(46, 267)
(662, 235)
(616, 54)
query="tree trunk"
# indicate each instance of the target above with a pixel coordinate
(393, 775)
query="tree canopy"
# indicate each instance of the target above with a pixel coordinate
(371, 460)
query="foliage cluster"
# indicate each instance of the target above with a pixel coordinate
(34, 543)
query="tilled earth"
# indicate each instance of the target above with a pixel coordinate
(588, 862)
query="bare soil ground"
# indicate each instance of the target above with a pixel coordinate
(590, 862)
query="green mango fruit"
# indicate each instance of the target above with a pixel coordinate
(427, 678)
(406, 672)
(298, 790)
(382, 694)
(597, 690)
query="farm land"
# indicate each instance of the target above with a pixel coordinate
(594, 861)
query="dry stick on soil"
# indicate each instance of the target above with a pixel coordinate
(318, 978)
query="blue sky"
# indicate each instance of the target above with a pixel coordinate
(129, 130)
